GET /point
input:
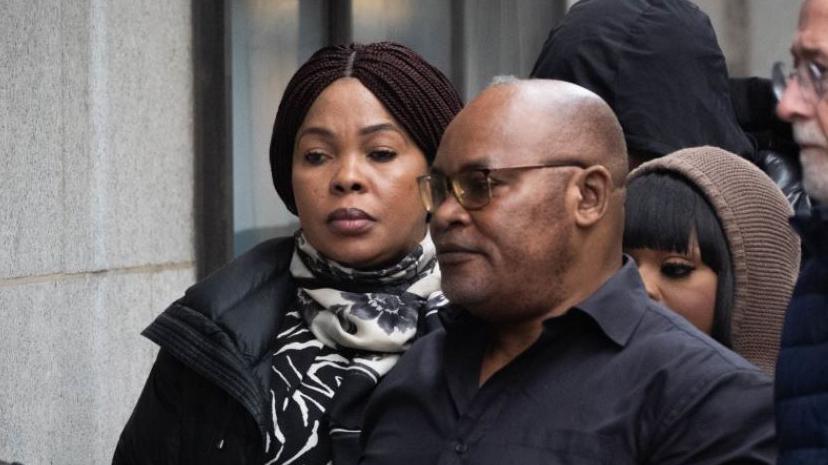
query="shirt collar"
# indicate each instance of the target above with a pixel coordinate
(617, 305)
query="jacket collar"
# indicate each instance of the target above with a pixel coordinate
(224, 325)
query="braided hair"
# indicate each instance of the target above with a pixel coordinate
(414, 92)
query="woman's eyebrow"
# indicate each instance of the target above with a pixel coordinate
(378, 128)
(315, 130)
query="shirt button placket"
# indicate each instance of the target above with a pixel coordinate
(461, 447)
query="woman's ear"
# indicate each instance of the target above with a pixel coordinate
(595, 187)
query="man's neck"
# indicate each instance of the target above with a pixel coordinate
(508, 340)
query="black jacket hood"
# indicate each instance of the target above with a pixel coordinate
(657, 64)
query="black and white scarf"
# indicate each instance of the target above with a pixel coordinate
(346, 330)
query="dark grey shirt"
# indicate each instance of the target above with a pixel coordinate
(617, 379)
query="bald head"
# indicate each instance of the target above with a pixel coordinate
(571, 120)
(553, 158)
(812, 7)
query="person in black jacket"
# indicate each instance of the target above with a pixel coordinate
(271, 359)
(658, 65)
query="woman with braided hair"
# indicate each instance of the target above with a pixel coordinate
(271, 359)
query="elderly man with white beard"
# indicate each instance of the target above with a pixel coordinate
(802, 371)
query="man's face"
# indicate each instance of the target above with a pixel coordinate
(503, 262)
(809, 113)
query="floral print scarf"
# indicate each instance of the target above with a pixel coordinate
(347, 329)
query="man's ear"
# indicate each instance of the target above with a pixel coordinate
(595, 187)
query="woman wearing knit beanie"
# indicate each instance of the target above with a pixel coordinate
(710, 234)
(272, 358)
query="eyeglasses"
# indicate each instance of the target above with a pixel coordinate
(809, 76)
(471, 188)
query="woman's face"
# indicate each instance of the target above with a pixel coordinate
(682, 282)
(355, 179)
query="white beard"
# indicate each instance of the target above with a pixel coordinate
(814, 159)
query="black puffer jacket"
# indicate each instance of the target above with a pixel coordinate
(205, 400)
(658, 64)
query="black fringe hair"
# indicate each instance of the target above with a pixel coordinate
(663, 209)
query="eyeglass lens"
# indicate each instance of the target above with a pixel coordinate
(470, 188)
(807, 78)
(779, 79)
(427, 191)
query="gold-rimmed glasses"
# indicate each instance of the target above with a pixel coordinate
(472, 188)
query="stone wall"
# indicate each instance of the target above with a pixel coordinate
(96, 213)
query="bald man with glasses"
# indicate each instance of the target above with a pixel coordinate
(552, 352)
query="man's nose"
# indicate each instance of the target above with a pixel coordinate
(449, 212)
(792, 105)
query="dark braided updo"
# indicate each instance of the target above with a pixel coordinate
(414, 92)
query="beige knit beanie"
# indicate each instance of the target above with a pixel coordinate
(764, 248)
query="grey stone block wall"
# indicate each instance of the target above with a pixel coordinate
(74, 365)
(96, 213)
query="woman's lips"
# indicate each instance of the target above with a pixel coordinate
(350, 221)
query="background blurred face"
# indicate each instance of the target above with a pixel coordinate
(810, 118)
(354, 179)
(680, 281)
(502, 262)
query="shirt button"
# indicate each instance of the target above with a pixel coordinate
(461, 448)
